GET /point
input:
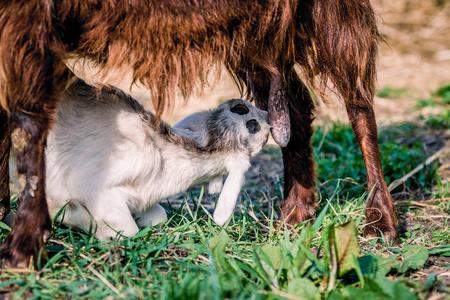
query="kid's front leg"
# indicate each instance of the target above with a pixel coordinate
(228, 197)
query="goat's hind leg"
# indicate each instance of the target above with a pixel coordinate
(380, 212)
(5, 145)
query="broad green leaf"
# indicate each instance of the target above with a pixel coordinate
(273, 254)
(368, 265)
(414, 257)
(304, 289)
(382, 289)
(395, 289)
(386, 264)
(335, 295)
(347, 246)
(443, 250)
(350, 293)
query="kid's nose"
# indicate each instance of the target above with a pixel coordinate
(253, 126)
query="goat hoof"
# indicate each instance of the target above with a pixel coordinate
(15, 260)
(381, 219)
(373, 231)
(16, 255)
(384, 226)
(293, 214)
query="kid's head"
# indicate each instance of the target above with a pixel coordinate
(238, 124)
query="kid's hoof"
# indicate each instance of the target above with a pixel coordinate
(221, 219)
(154, 216)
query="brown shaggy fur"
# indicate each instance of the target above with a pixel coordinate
(172, 45)
(5, 145)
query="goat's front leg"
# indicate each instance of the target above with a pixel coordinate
(299, 200)
(380, 212)
(229, 195)
(299, 189)
(32, 222)
(5, 145)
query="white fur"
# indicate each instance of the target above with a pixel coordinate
(152, 216)
(104, 165)
(230, 191)
(215, 185)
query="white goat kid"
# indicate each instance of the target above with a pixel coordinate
(110, 161)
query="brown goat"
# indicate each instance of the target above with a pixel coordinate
(171, 45)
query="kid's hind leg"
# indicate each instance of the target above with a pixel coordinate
(5, 145)
(112, 216)
(153, 216)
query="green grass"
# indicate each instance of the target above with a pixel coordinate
(441, 97)
(256, 257)
(392, 92)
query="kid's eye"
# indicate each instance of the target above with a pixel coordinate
(240, 109)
